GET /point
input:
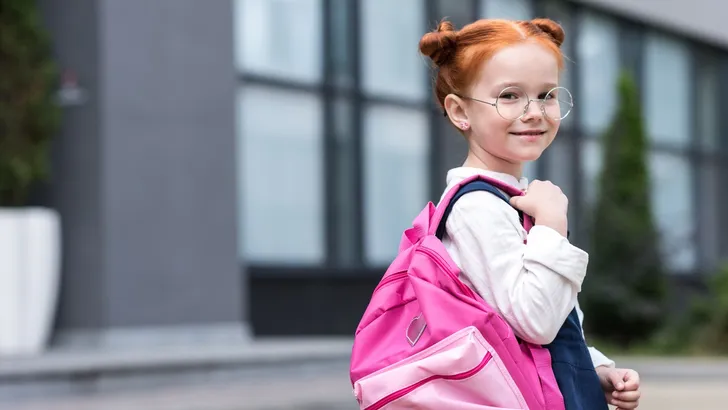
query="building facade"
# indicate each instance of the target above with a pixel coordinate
(248, 166)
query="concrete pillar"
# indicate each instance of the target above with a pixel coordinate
(144, 173)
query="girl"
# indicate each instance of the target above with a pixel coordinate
(497, 82)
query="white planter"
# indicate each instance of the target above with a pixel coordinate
(30, 249)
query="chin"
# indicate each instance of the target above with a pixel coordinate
(530, 155)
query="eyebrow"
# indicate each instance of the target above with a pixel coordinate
(515, 83)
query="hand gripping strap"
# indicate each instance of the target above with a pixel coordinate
(475, 183)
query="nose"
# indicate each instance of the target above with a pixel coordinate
(533, 111)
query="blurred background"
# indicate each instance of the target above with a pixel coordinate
(197, 198)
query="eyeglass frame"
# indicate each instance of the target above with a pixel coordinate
(528, 104)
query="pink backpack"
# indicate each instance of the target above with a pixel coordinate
(427, 341)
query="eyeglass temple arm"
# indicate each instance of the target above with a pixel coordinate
(473, 99)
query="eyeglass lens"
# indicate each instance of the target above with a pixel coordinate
(512, 103)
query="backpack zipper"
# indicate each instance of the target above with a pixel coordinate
(403, 392)
(391, 278)
(444, 265)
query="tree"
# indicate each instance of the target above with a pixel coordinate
(28, 112)
(625, 290)
(709, 316)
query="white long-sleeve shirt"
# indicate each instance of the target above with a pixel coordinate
(533, 286)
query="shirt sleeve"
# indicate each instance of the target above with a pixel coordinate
(533, 286)
(598, 358)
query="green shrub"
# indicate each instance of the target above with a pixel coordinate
(701, 328)
(28, 112)
(710, 316)
(625, 290)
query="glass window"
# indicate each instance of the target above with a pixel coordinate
(452, 149)
(591, 162)
(341, 42)
(507, 9)
(597, 58)
(560, 165)
(396, 170)
(560, 169)
(345, 169)
(559, 12)
(666, 95)
(459, 12)
(279, 38)
(709, 209)
(672, 204)
(708, 104)
(392, 63)
(722, 195)
(280, 176)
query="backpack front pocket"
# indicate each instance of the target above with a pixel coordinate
(459, 372)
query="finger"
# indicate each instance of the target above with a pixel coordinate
(616, 380)
(624, 406)
(514, 201)
(631, 380)
(627, 396)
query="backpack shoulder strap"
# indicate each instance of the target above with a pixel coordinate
(477, 185)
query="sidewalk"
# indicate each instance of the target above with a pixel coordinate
(273, 352)
(327, 388)
(677, 368)
(61, 374)
(273, 375)
(682, 395)
(258, 353)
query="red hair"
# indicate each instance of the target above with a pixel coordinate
(460, 54)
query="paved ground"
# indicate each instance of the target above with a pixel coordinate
(320, 393)
(327, 393)
(679, 395)
(701, 385)
(326, 390)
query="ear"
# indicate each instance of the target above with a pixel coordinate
(456, 112)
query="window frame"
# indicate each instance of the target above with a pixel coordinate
(331, 91)
(631, 41)
(632, 34)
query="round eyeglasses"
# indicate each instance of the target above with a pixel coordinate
(512, 103)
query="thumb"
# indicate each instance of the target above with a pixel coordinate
(514, 201)
(631, 380)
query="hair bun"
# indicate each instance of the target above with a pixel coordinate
(440, 45)
(551, 28)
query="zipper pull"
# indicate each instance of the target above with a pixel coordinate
(357, 392)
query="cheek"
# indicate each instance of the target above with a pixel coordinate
(493, 126)
(555, 125)
(492, 133)
(554, 129)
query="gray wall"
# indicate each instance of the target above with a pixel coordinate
(144, 172)
(701, 19)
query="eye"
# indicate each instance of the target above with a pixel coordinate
(547, 96)
(508, 96)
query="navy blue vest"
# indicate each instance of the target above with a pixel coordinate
(574, 369)
(571, 362)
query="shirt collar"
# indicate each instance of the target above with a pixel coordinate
(456, 175)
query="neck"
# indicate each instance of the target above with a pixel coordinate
(484, 160)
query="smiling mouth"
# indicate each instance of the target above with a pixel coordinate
(529, 133)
